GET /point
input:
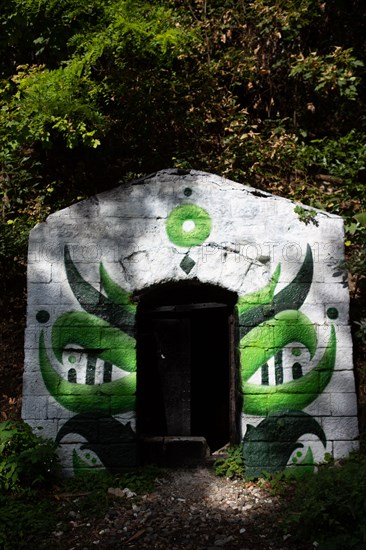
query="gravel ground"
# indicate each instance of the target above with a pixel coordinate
(190, 510)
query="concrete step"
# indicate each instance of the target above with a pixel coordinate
(174, 450)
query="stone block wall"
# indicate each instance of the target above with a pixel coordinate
(87, 263)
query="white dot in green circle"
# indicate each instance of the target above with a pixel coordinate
(188, 226)
(196, 222)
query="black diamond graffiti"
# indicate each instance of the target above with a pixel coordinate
(187, 264)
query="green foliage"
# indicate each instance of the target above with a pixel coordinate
(343, 157)
(28, 519)
(26, 522)
(231, 466)
(204, 85)
(361, 330)
(329, 507)
(280, 483)
(68, 101)
(94, 487)
(306, 216)
(138, 480)
(334, 72)
(26, 460)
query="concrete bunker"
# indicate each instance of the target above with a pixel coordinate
(208, 276)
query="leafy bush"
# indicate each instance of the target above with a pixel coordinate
(233, 465)
(330, 507)
(26, 460)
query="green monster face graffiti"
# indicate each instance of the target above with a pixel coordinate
(268, 322)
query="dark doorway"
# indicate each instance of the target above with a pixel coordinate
(186, 372)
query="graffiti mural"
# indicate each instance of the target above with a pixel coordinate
(294, 345)
(265, 329)
(104, 332)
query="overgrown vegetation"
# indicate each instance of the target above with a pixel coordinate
(26, 522)
(27, 466)
(232, 465)
(26, 460)
(325, 510)
(329, 508)
(34, 501)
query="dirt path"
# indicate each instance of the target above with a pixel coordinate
(190, 510)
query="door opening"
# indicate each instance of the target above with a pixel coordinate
(187, 377)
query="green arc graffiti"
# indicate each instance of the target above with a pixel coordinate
(92, 333)
(268, 305)
(260, 297)
(109, 398)
(276, 438)
(104, 330)
(263, 341)
(260, 400)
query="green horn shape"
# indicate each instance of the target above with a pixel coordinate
(291, 297)
(111, 398)
(114, 309)
(261, 400)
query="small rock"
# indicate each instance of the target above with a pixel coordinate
(117, 492)
(222, 542)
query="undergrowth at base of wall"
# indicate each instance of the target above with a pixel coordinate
(232, 465)
(325, 510)
(328, 509)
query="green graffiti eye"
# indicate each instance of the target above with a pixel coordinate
(188, 225)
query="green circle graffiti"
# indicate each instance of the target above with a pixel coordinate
(332, 313)
(43, 316)
(188, 225)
